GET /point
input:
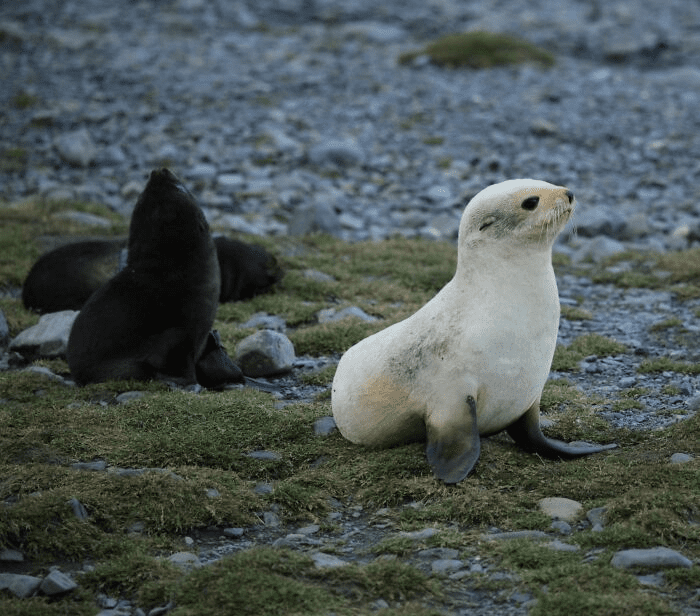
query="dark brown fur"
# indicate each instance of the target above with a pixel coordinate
(152, 320)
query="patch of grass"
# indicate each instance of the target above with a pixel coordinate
(321, 377)
(572, 313)
(568, 358)
(21, 223)
(666, 324)
(434, 140)
(480, 50)
(666, 364)
(24, 100)
(682, 267)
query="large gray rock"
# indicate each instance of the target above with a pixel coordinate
(652, 558)
(48, 338)
(265, 353)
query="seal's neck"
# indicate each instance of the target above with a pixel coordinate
(504, 257)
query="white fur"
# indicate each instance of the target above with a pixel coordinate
(489, 333)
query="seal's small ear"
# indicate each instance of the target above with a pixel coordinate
(452, 452)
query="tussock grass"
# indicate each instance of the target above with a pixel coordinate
(195, 443)
(480, 50)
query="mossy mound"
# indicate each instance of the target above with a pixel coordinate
(480, 50)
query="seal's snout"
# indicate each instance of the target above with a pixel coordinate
(569, 196)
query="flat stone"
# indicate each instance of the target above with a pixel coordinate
(419, 535)
(97, 465)
(234, 532)
(56, 583)
(324, 426)
(11, 556)
(445, 565)
(327, 561)
(561, 508)
(270, 518)
(185, 560)
(128, 396)
(49, 337)
(516, 534)
(439, 553)
(597, 518)
(560, 546)
(77, 148)
(681, 458)
(652, 558)
(21, 586)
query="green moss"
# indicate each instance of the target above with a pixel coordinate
(480, 50)
(13, 160)
(665, 324)
(681, 271)
(575, 314)
(665, 364)
(568, 358)
(23, 100)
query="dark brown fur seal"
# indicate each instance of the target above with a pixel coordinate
(246, 269)
(152, 320)
(64, 278)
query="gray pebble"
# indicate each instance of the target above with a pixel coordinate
(324, 426)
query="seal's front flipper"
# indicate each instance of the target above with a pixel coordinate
(526, 432)
(453, 448)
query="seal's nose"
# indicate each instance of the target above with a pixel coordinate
(569, 196)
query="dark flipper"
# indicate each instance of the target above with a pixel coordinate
(215, 368)
(453, 451)
(526, 432)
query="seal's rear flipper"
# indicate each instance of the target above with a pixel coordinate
(214, 367)
(526, 432)
(452, 452)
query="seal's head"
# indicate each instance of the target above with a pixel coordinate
(523, 212)
(167, 223)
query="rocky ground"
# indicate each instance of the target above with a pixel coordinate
(295, 116)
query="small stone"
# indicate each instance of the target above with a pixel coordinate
(330, 315)
(562, 527)
(560, 546)
(311, 529)
(516, 534)
(327, 561)
(681, 458)
(266, 321)
(315, 275)
(420, 535)
(189, 541)
(128, 396)
(263, 488)
(379, 604)
(21, 586)
(11, 556)
(324, 426)
(212, 493)
(445, 565)
(597, 518)
(265, 353)
(234, 532)
(77, 148)
(561, 508)
(56, 583)
(78, 509)
(653, 558)
(271, 519)
(185, 560)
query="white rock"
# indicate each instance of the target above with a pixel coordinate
(77, 148)
(49, 337)
(327, 561)
(561, 508)
(264, 353)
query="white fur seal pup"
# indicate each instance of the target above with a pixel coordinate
(473, 360)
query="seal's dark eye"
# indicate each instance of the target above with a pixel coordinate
(530, 203)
